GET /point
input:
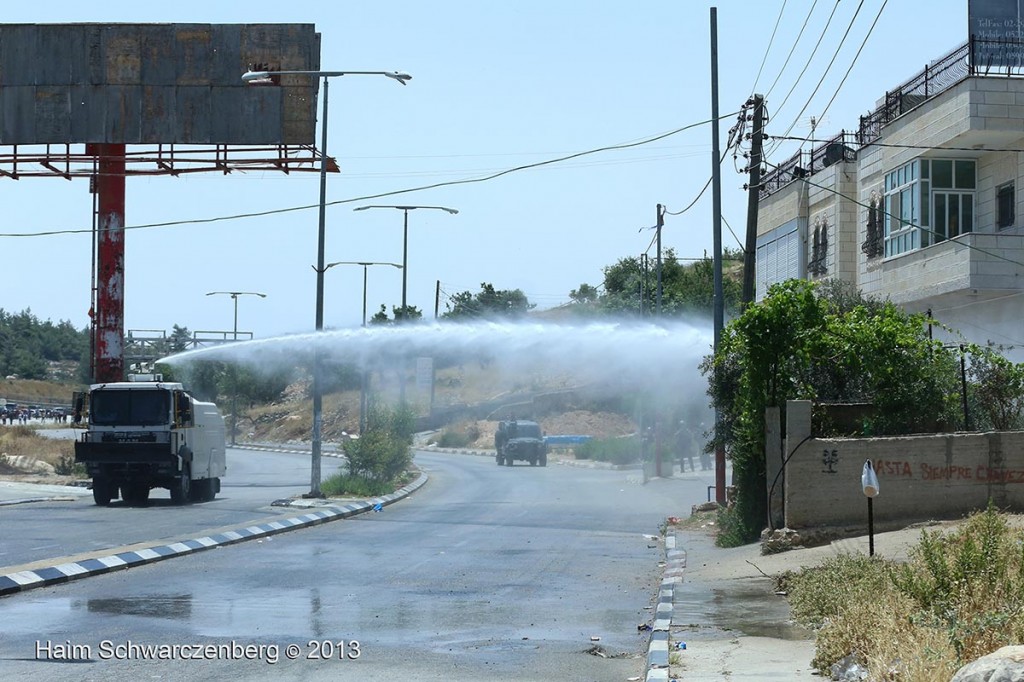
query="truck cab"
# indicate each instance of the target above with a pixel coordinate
(150, 434)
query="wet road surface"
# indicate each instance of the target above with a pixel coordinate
(485, 573)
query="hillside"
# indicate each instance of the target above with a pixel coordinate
(575, 412)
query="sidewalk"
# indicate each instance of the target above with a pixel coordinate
(726, 611)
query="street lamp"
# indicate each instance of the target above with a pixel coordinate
(318, 398)
(365, 265)
(405, 239)
(234, 397)
(362, 379)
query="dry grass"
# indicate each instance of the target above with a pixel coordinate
(23, 441)
(959, 596)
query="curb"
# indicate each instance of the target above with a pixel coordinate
(295, 450)
(658, 649)
(585, 464)
(52, 575)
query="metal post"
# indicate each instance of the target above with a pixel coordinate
(871, 527)
(318, 398)
(716, 216)
(660, 223)
(234, 383)
(365, 268)
(109, 320)
(234, 372)
(963, 389)
(362, 375)
(405, 255)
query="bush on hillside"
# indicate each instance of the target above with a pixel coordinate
(614, 450)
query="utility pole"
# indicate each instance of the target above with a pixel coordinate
(753, 197)
(437, 298)
(659, 224)
(716, 215)
(643, 284)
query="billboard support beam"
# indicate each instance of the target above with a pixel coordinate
(109, 320)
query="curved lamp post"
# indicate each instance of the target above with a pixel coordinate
(234, 397)
(264, 77)
(362, 378)
(405, 238)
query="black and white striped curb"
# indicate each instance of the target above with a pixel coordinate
(297, 450)
(51, 575)
(658, 650)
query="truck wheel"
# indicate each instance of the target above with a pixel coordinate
(102, 491)
(498, 460)
(508, 460)
(182, 486)
(533, 461)
(544, 460)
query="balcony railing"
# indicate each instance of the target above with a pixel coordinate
(976, 57)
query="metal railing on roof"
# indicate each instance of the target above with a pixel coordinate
(976, 57)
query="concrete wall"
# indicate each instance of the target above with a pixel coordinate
(938, 476)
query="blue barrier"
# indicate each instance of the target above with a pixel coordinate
(566, 440)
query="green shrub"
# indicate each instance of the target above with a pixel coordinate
(344, 484)
(66, 466)
(459, 436)
(614, 450)
(378, 456)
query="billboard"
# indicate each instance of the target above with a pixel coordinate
(996, 27)
(156, 84)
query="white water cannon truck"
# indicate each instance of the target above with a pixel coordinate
(146, 433)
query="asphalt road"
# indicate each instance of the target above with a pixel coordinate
(69, 528)
(487, 572)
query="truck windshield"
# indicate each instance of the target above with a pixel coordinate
(528, 431)
(131, 407)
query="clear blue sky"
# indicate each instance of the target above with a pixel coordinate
(496, 84)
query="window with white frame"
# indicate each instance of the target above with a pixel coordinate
(928, 201)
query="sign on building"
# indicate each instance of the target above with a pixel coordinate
(995, 26)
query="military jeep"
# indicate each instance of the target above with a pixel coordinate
(522, 440)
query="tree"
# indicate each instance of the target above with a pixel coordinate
(996, 390)
(584, 295)
(487, 303)
(383, 452)
(28, 345)
(408, 314)
(180, 339)
(800, 344)
(687, 288)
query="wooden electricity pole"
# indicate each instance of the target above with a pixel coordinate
(753, 196)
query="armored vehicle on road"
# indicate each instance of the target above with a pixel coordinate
(522, 440)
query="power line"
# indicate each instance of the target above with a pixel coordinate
(771, 41)
(821, 80)
(807, 64)
(451, 183)
(855, 57)
(792, 49)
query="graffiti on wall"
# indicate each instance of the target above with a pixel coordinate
(929, 472)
